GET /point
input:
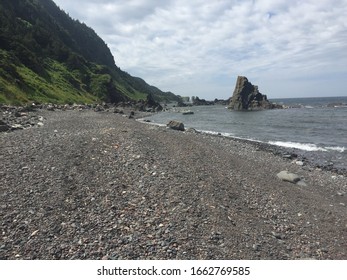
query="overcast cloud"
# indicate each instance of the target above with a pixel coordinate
(197, 47)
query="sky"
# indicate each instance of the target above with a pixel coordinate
(294, 48)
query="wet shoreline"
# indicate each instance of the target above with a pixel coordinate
(309, 159)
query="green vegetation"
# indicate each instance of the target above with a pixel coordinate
(45, 56)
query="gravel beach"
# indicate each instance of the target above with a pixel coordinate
(98, 185)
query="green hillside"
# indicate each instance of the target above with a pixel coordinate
(45, 56)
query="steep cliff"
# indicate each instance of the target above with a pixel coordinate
(46, 56)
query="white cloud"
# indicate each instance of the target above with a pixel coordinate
(199, 47)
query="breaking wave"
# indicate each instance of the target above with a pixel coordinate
(306, 146)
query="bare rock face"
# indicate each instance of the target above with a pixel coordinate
(247, 97)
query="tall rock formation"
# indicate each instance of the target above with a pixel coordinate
(247, 97)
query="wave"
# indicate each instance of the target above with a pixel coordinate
(306, 146)
(338, 149)
(216, 133)
(296, 145)
(301, 146)
(144, 120)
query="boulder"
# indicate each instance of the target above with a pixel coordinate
(247, 97)
(4, 126)
(118, 111)
(289, 177)
(99, 108)
(176, 125)
(50, 107)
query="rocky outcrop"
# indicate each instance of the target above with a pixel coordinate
(148, 105)
(200, 102)
(151, 103)
(247, 97)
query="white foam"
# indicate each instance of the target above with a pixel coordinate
(225, 134)
(306, 146)
(208, 132)
(143, 120)
(230, 135)
(300, 146)
(296, 145)
(338, 149)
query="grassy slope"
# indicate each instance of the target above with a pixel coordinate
(45, 56)
(19, 84)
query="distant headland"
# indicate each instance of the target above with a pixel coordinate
(246, 97)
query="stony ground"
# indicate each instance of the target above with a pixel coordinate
(97, 185)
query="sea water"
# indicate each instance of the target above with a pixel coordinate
(317, 126)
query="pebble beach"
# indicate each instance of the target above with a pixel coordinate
(100, 185)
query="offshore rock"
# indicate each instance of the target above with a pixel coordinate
(247, 97)
(200, 102)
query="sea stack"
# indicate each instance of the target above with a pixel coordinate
(247, 97)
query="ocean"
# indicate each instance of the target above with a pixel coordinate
(313, 127)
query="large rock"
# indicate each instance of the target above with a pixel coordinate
(151, 103)
(247, 97)
(289, 177)
(176, 125)
(4, 126)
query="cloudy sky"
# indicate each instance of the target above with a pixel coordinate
(198, 47)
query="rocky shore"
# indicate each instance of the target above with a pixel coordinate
(92, 184)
